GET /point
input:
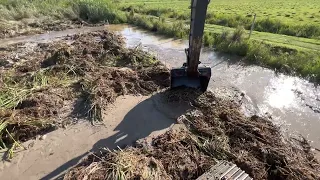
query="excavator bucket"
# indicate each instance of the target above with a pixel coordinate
(180, 78)
(190, 74)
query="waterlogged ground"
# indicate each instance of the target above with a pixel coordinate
(294, 103)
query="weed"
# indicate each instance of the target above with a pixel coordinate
(3, 126)
(238, 34)
(98, 11)
(176, 29)
(306, 64)
(10, 97)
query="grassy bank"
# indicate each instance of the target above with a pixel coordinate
(88, 10)
(295, 18)
(305, 63)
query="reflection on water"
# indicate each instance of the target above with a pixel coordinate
(280, 94)
(136, 37)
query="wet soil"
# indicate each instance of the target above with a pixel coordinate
(126, 120)
(214, 130)
(93, 76)
(47, 85)
(31, 26)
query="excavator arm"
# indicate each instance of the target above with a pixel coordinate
(191, 75)
(198, 16)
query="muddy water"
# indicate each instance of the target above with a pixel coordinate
(293, 102)
(47, 37)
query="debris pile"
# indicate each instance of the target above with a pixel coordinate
(48, 84)
(215, 130)
(31, 26)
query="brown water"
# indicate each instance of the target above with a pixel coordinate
(294, 103)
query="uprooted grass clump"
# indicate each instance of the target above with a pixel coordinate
(214, 130)
(47, 85)
(128, 164)
(102, 88)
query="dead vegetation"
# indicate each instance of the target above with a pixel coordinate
(47, 85)
(43, 85)
(214, 130)
(128, 164)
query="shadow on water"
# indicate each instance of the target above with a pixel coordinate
(150, 115)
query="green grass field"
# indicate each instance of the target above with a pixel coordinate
(290, 17)
(295, 11)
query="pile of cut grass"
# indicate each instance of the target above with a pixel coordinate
(215, 130)
(59, 82)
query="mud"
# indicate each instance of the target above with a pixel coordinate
(95, 75)
(48, 84)
(128, 119)
(214, 130)
(37, 26)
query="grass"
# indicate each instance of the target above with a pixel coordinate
(11, 96)
(305, 63)
(15, 91)
(175, 29)
(292, 17)
(89, 10)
